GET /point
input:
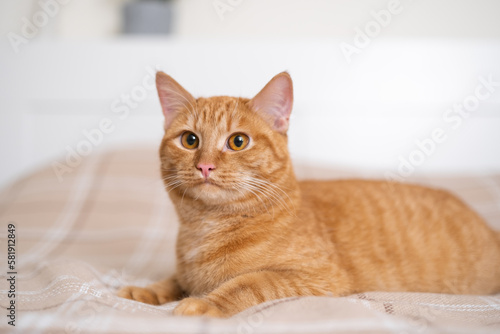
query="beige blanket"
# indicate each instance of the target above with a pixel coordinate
(109, 223)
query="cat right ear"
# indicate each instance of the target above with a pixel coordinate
(173, 97)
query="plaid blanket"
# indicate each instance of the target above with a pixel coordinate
(109, 223)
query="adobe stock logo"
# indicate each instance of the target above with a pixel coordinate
(222, 7)
(31, 27)
(121, 108)
(372, 29)
(452, 119)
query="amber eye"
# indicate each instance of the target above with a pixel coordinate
(238, 141)
(189, 140)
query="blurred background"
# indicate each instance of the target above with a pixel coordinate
(390, 88)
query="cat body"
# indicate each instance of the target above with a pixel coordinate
(331, 237)
(250, 232)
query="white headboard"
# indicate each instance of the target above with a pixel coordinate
(368, 114)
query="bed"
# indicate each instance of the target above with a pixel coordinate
(109, 223)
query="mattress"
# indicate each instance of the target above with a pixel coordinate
(108, 222)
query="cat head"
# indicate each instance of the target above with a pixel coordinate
(223, 149)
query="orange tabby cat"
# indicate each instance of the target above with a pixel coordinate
(250, 232)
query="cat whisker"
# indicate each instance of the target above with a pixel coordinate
(171, 178)
(173, 184)
(275, 186)
(270, 190)
(258, 177)
(177, 175)
(263, 186)
(237, 188)
(276, 199)
(182, 200)
(273, 200)
(169, 169)
(196, 198)
(249, 187)
(174, 187)
(271, 184)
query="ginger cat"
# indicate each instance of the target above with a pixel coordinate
(250, 232)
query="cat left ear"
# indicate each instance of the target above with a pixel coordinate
(274, 102)
(173, 97)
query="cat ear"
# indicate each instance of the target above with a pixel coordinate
(274, 102)
(173, 97)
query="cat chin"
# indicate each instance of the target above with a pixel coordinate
(213, 194)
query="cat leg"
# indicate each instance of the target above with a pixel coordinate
(251, 289)
(158, 293)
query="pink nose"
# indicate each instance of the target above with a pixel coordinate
(205, 169)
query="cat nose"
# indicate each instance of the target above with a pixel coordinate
(205, 169)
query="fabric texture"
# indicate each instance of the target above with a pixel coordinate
(109, 223)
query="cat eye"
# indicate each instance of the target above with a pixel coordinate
(238, 141)
(189, 140)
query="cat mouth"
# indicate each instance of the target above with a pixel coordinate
(208, 182)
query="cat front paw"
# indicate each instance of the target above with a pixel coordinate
(143, 295)
(198, 307)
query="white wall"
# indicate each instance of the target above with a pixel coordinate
(71, 19)
(362, 115)
(338, 18)
(271, 18)
(369, 112)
